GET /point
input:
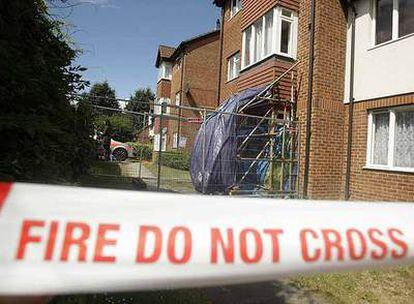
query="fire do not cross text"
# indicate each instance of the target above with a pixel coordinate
(83, 242)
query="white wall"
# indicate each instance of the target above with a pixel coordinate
(383, 70)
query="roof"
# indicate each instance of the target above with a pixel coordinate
(164, 53)
(185, 43)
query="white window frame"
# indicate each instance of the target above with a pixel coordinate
(235, 7)
(163, 71)
(290, 20)
(178, 99)
(391, 140)
(233, 66)
(156, 141)
(395, 24)
(175, 141)
(158, 107)
(276, 41)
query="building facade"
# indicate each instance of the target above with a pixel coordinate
(360, 92)
(191, 82)
(357, 142)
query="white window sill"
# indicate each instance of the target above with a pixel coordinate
(390, 42)
(169, 79)
(386, 168)
(264, 59)
(232, 79)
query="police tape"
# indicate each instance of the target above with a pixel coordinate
(59, 240)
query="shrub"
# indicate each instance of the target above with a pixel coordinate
(180, 161)
(144, 152)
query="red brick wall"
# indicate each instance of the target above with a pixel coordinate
(264, 73)
(254, 9)
(328, 114)
(232, 43)
(368, 184)
(200, 77)
(164, 88)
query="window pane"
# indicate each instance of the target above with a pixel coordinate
(168, 71)
(381, 134)
(247, 50)
(269, 33)
(236, 65)
(285, 37)
(406, 20)
(287, 13)
(259, 40)
(404, 139)
(384, 20)
(178, 99)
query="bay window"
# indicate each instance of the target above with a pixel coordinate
(274, 33)
(165, 71)
(391, 139)
(393, 19)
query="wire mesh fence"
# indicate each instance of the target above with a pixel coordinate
(183, 149)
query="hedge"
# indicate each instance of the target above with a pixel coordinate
(180, 161)
(144, 152)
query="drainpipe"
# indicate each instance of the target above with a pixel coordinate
(351, 106)
(310, 98)
(221, 55)
(181, 98)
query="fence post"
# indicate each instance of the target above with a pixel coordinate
(160, 148)
(204, 145)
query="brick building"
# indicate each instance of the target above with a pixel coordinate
(362, 93)
(355, 98)
(188, 77)
(359, 87)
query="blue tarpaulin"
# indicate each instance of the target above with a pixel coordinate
(214, 166)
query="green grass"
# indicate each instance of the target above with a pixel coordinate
(388, 286)
(172, 179)
(106, 175)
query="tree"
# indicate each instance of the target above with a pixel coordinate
(101, 94)
(140, 102)
(42, 134)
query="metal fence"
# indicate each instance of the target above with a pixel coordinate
(153, 149)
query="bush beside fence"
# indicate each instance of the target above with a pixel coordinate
(144, 152)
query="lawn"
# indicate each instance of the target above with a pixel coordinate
(106, 175)
(387, 286)
(172, 179)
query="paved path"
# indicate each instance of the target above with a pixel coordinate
(278, 292)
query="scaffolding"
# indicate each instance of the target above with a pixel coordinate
(279, 144)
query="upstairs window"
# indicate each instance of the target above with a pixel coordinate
(393, 19)
(286, 24)
(406, 17)
(165, 71)
(236, 6)
(391, 139)
(274, 33)
(178, 99)
(233, 67)
(162, 104)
